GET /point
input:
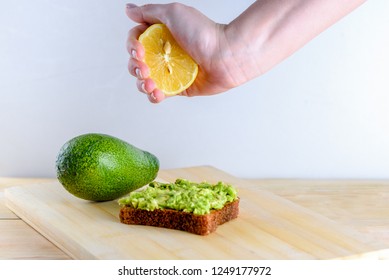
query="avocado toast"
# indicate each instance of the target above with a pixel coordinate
(183, 205)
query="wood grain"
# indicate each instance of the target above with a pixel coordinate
(5, 213)
(6, 182)
(269, 227)
(360, 204)
(20, 241)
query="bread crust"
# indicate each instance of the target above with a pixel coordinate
(180, 220)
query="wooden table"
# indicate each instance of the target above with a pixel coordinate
(17, 239)
(359, 204)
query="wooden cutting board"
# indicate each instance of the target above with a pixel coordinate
(268, 227)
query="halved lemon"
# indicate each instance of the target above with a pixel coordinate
(171, 68)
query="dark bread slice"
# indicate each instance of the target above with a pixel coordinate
(180, 220)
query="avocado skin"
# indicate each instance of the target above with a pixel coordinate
(100, 167)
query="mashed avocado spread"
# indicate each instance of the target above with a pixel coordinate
(182, 195)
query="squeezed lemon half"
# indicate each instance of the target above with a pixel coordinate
(171, 68)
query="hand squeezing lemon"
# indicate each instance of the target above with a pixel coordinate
(171, 68)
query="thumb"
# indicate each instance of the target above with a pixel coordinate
(149, 14)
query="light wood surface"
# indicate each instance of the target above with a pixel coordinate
(362, 205)
(18, 240)
(269, 226)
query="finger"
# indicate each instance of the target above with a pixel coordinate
(149, 13)
(134, 13)
(146, 85)
(138, 68)
(156, 96)
(189, 92)
(134, 47)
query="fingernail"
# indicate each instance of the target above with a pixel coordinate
(153, 96)
(130, 6)
(142, 85)
(133, 54)
(138, 73)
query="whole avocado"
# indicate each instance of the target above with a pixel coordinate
(100, 167)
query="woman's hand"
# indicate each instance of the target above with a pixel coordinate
(203, 39)
(229, 55)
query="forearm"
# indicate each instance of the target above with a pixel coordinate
(271, 30)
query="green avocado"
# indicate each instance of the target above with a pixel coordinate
(182, 195)
(100, 167)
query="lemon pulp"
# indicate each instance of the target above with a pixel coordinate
(171, 68)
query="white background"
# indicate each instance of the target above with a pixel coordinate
(323, 112)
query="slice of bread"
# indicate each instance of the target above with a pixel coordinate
(180, 220)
